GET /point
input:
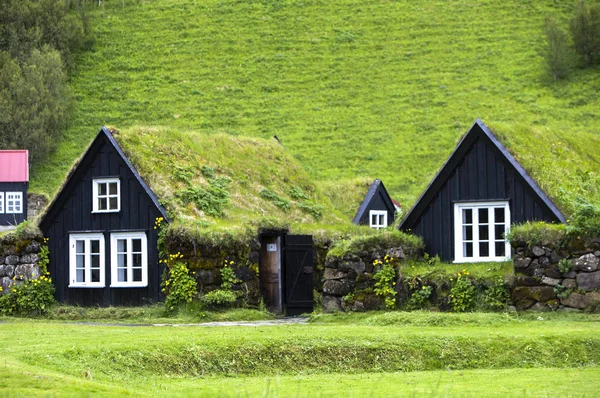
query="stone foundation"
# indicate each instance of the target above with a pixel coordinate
(19, 259)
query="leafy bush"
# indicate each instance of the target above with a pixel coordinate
(420, 297)
(557, 54)
(462, 294)
(585, 220)
(562, 292)
(585, 30)
(535, 233)
(497, 296)
(180, 287)
(34, 296)
(565, 265)
(228, 278)
(385, 280)
(219, 299)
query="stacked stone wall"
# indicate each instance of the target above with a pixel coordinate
(557, 279)
(19, 261)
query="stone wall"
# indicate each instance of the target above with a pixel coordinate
(348, 281)
(557, 279)
(19, 259)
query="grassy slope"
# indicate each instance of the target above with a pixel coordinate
(382, 88)
(70, 358)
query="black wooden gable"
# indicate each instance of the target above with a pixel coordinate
(377, 198)
(479, 169)
(104, 137)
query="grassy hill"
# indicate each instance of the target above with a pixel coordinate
(381, 89)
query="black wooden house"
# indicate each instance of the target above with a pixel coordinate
(102, 241)
(477, 194)
(14, 182)
(377, 209)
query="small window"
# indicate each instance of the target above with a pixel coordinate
(129, 261)
(86, 260)
(107, 195)
(1, 202)
(14, 202)
(479, 231)
(378, 219)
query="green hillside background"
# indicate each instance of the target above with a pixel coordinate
(378, 89)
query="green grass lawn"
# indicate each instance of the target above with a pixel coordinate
(381, 88)
(500, 355)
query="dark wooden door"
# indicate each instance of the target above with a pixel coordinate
(298, 274)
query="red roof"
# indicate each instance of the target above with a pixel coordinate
(14, 166)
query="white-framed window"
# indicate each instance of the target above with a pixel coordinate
(86, 260)
(378, 219)
(479, 230)
(129, 259)
(106, 195)
(1, 202)
(14, 203)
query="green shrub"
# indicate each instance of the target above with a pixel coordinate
(228, 277)
(497, 296)
(584, 221)
(585, 30)
(34, 296)
(180, 287)
(565, 265)
(420, 297)
(557, 54)
(385, 280)
(462, 294)
(562, 292)
(219, 299)
(538, 234)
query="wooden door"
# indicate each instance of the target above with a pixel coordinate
(298, 274)
(270, 273)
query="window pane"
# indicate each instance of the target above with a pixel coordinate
(137, 260)
(468, 233)
(95, 261)
(484, 249)
(80, 275)
(121, 260)
(95, 275)
(114, 203)
(499, 214)
(137, 274)
(373, 219)
(136, 245)
(112, 190)
(468, 249)
(79, 246)
(467, 216)
(102, 204)
(121, 245)
(500, 249)
(95, 245)
(122, 275)
(80, 261)
(498, 232)
(484, 232)
(102, 189)
(483, 216)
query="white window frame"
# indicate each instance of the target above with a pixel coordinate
(95, 196)
(114, 260)
(1, 202)
(378, 213)
(86, 237)
(459, 255)
(17, 202)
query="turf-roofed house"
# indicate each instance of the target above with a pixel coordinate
(103, 247)
(14, 182)
(377, 209)
(476, 196)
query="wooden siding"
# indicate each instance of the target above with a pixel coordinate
(74, 214)
(13, 219)
(483, 174)
(380, 201)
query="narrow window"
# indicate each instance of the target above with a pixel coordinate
(479, 231)
(129, 262)
(86, 260)
(14, 202)
(106, 195)
(1, 202)
(377, 219)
